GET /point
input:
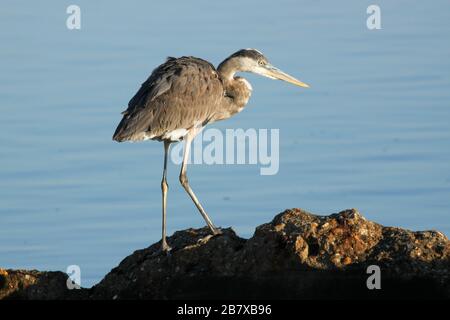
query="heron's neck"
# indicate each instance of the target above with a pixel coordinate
(237, 93)
(237, 89)
(227, 69)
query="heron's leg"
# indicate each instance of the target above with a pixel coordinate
(164, 187)
(185, 183)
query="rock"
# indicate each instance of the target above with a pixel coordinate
(35, 285)
(297, 255)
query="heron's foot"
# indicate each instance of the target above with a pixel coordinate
(165, 248)
(215, 232)
(204, 240)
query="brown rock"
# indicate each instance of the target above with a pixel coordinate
(35, 285)
(297, 255)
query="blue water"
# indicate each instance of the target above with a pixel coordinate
(372, 132)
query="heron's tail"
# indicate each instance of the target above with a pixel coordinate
(122, 132)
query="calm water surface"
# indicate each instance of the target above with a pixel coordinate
(372, 133)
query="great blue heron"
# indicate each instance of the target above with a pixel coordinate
(182, 96)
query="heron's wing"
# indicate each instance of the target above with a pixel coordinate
(156, 84)
(176, 93)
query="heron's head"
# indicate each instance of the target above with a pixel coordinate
(252, 60)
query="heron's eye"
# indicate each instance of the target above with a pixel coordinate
(261, 62)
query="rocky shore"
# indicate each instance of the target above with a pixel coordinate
(298, 255)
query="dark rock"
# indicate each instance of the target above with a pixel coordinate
(36, 285)
(297, 255)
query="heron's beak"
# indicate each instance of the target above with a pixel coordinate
(275, 73)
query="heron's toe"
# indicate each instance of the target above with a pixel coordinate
(165, 249)
(204, 240)
(217, 232)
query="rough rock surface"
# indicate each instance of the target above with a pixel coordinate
(297, 255)
(34, 285)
